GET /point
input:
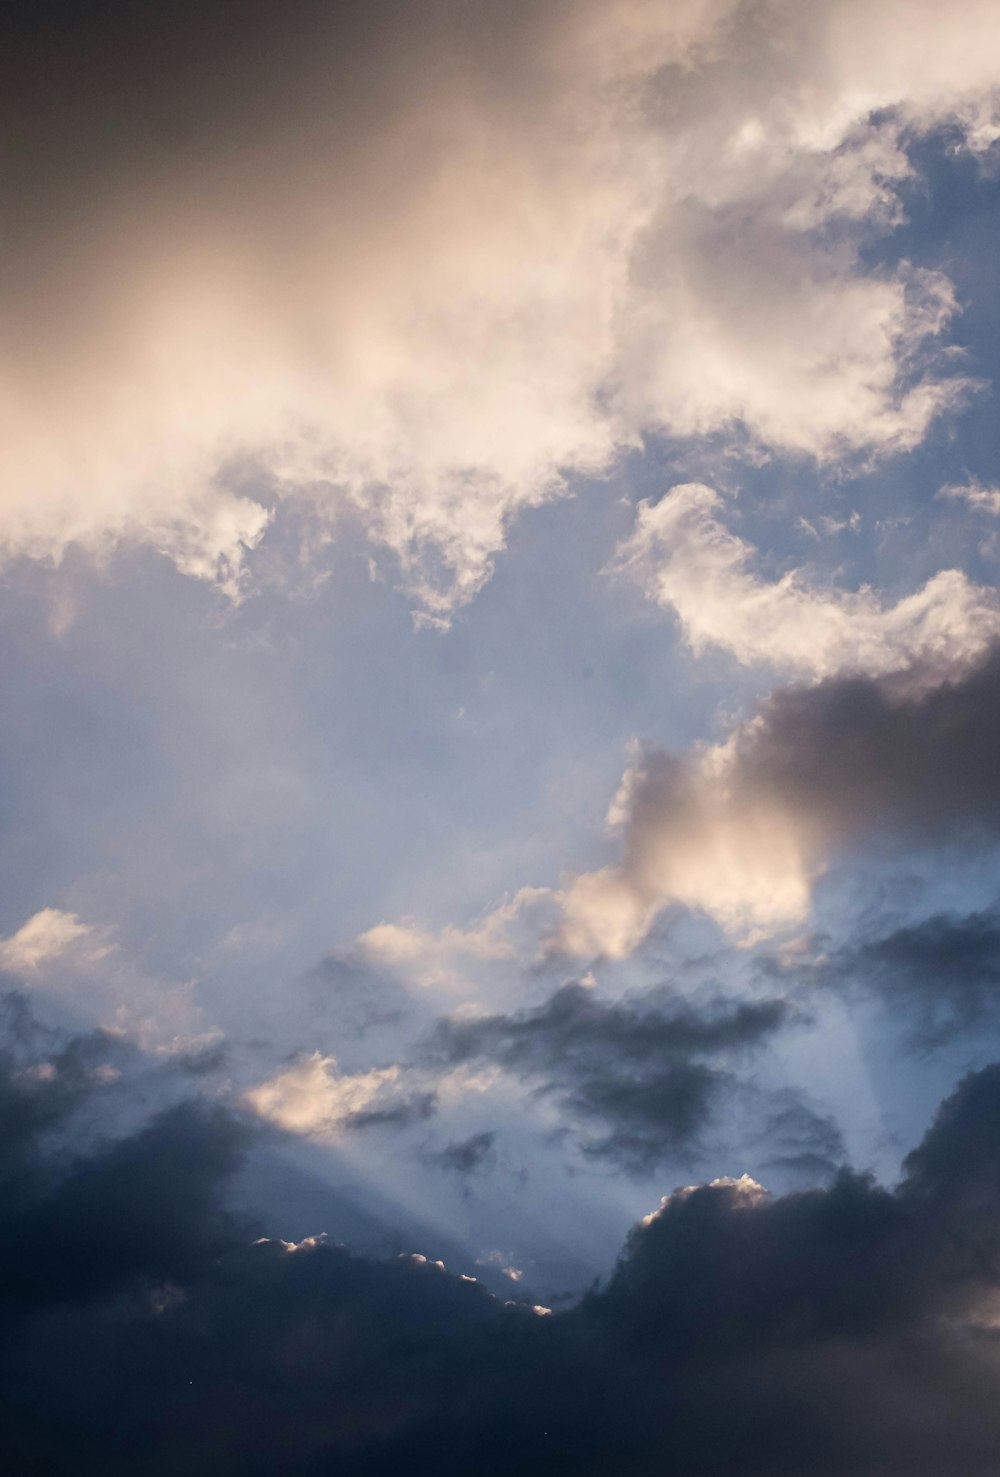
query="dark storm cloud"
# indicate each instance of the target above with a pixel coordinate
(648, 1070)
(41, 1083)
(851, 1329)
(144, 1208)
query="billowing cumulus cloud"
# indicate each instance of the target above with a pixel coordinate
(420, 262)
(689, 562)
(742, 829)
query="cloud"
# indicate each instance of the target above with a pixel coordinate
(465, 1156)
(144, 1328)
(44, 1081)
(358, 999)
(741, 830)
(438, 960)
(799, 1140)
(417, 264)
(689, 562)
(312, 1097)
(693, 835)
(975, 494)
(48, 935)
(81, 1217)
(646, 1073)
(939, 977)
(80, 969)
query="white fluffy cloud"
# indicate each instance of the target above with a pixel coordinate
(689, 562)
(424, 266)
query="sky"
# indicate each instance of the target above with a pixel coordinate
(499, 785)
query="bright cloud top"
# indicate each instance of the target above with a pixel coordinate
(688, 561)
(429, 261)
